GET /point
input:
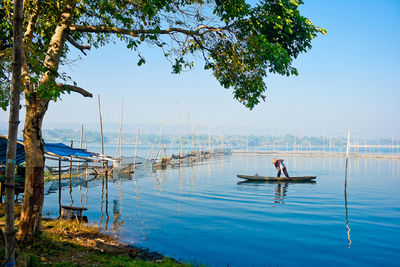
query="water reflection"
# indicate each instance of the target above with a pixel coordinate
(281, 189)
(118, 223)
(345, 204)
(280, 192)
(70, 189)
(101, 201)
(107, 217)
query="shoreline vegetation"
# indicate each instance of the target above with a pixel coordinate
(75, 243)
(91, 137)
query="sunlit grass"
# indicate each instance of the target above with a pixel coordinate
(71, 243)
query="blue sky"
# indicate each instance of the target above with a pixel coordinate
(348, 80)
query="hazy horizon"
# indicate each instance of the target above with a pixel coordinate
(347, 81)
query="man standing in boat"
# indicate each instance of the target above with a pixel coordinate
(280, 166)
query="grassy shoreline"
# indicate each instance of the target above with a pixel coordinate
(74, 243)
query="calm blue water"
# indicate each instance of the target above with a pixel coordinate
(200, 213)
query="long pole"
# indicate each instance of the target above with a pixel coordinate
(159, 137)
(101, 127)
(192, 141)
(180, 130)
(348, 144)
(137, 142)
(119, 142)
(209, 145)
(151, 150)
(70, 160)
(59, 185)
(80, 146)
(187, 149)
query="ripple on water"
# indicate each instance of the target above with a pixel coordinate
(201, 213)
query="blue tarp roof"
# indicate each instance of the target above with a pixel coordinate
(20, 156)
(63, 150)
(55, 149)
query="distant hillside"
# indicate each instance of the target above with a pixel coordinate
(170, 134)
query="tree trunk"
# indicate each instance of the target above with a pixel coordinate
(31, 214)
(12, 134)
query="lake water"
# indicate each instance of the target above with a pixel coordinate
(200, 213)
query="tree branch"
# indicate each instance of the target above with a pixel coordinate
(78, 46)
(32, 22)
(4, 46)
(135, 33)
(6, 53)
(76, 89)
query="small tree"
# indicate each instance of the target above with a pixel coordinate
(240, 43)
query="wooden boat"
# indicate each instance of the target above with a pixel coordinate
(258, 182)
(270, 178)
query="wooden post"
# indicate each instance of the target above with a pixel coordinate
(199, 138)
(192, 142)
(187, 150)
(137, 142)
(80, 146)
(70, 176)
(59, 185)
(159, 137)
(209, 145)
(158, 155)
(101, 128)
(151, 150)
(348, 144)
(180, 131)
(106, 178)
(119, 141)
(392, 144)
(70, 160)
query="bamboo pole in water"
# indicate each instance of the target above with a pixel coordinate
(158, 155)
(180, 131)
(348, 144)
(80, 146)
(151, 150)
(59, 185)
(119, 141)
(192, 142)
(70, 160)
(101, 128)
(70, 177)
(136, 149)
(159, 137)
(187, 149)
(199, 138)
(247, 140)
(209, 144)
(392, 144)
(120, 133)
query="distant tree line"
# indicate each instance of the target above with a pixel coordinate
(93, 137)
